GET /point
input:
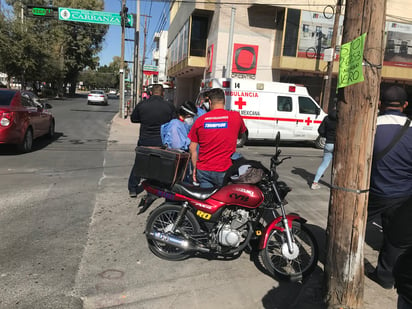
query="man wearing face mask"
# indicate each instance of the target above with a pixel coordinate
(174, 133)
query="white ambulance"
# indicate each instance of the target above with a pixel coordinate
(269, 107)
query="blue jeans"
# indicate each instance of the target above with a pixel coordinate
(209, 179)
(327, 157)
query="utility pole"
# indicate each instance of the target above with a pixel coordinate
(123, 14)
(357, 112)
(230, 47)
(329, 76)
(136, 80)
(144, 50)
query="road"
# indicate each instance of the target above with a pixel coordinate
(71, 237)
(47, 199)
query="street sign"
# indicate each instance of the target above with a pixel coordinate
(96, 17)
(42, 11)
(147, 67)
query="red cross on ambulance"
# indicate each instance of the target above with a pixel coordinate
(240, 103)
(308, 121)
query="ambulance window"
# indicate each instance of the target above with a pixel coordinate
(284, 104)
(306, 106)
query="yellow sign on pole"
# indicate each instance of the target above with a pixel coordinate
(350, 62)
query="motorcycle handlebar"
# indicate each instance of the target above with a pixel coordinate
(275, 160)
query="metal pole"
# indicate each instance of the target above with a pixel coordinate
(144, 50)
(230, 49)
(328, 77)
(121, 70)
(136, 81)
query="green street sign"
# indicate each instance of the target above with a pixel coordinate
(148, 67)
(96, 17)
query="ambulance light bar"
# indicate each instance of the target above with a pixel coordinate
(226, 84)
(292, 88)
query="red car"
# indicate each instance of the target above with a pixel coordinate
(23, 118)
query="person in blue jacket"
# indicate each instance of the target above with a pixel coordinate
(174, 133)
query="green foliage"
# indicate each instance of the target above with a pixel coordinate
(47, 50)
(104, 77)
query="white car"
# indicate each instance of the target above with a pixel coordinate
(97, 97)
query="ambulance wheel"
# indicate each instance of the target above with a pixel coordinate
(242, 140)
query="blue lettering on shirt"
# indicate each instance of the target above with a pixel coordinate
(215, 125)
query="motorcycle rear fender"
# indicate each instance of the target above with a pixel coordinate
(276, 224)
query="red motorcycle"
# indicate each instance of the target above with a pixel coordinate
(227, 220)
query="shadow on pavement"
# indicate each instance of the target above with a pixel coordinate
(308, 176)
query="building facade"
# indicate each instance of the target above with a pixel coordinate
(261, 41)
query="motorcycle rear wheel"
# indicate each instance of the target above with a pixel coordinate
(161, 220)
(291, 268)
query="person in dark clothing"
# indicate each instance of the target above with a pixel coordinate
(326, 129)
(151, 114)
(399, 234)
(391, 176)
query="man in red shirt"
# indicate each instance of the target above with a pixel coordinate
(216, 134)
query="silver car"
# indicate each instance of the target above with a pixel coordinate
(97, 97)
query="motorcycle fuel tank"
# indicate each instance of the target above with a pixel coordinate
(240, 194)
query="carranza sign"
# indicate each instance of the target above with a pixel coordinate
(96, 17)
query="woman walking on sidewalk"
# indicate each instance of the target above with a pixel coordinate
(326, 129)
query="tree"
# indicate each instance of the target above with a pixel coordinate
(71, 47)
(104, 77)
(357, 111)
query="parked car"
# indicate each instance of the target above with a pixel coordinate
(97, 97)
(23, 118)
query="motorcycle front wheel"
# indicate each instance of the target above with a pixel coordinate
(161, 220)
(295, 265)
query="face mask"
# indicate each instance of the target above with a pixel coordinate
(189, 121)
(206, 105)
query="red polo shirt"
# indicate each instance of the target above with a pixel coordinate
(216, 132)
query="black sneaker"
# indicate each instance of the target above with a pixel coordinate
(374, 277)
(132, 194)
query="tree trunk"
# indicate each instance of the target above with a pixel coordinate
(357, 112)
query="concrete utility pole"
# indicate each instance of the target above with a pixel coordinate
(136, 80)
(123, 14)
(228, 73)
(329, 76)
(357, 112)
(144, 50)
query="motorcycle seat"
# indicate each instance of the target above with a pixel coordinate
(193, 191)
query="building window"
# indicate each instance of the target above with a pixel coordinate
(305, 28)
(291, 32)
(198, 36)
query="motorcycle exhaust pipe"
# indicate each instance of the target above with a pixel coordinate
(175, 241)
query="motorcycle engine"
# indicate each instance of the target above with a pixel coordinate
(230, 232)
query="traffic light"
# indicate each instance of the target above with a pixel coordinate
(42, 11)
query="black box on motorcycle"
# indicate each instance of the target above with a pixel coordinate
(163, 165)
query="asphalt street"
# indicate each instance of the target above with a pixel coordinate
(118, 270)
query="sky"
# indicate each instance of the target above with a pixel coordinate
(112, 44)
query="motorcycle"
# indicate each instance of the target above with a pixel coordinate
(228, 220)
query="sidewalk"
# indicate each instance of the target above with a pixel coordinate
(119, 271)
